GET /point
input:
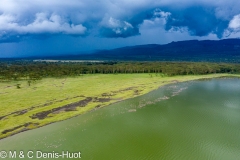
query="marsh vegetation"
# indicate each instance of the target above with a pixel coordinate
(34, 94)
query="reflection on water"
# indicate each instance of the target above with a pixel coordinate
(192, 120)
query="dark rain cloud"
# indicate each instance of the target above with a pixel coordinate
(199, 21)
(10, 39)
(114, 18)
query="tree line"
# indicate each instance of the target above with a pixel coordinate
(36, 70)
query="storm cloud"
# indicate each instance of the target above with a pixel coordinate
(100, 24)
(114, 18)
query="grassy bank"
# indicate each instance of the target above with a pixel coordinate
(49, 100)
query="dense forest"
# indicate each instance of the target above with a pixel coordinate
(30, 70)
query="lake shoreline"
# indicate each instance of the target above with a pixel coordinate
(99, 103)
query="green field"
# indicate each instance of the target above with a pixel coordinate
(54, 99)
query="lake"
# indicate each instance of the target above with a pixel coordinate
(190, 120)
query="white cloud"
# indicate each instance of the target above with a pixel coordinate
(43, 24)
(116, 25)
(160, 13)
(235, 23)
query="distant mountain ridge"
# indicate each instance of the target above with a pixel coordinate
(226, 50)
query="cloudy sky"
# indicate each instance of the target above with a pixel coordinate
(50, 27)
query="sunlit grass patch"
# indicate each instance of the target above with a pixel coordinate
(19, 105)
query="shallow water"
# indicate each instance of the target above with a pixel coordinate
(192, 120)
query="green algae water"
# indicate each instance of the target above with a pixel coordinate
(191, 120)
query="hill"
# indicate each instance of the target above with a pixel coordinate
(227, 50)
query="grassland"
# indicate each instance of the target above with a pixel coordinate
(51, 99)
